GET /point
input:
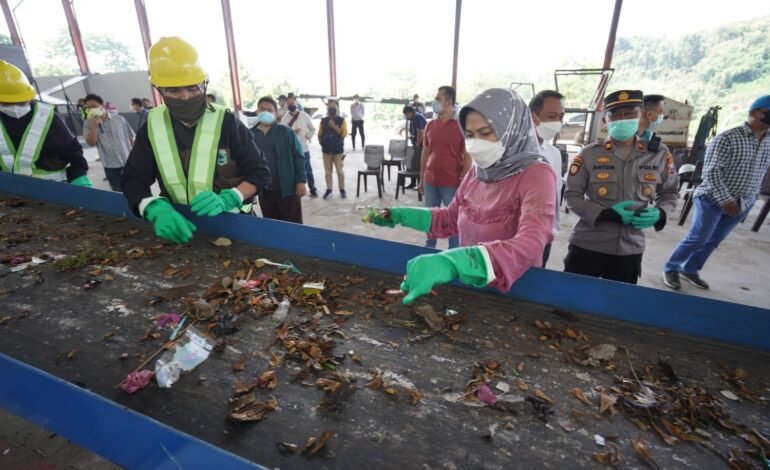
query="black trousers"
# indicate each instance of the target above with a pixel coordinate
(626, 268)
(358, 125)
(275, 206)
(546, 254)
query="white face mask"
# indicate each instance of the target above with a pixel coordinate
(548, 130)
(658, 121)
(483, 152)
(15, 110)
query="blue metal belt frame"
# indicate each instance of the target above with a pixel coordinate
(724, 321)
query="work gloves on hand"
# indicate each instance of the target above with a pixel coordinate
(418, 218)
(82, 181)
(209, 203)
(169, 223)
(467, 264)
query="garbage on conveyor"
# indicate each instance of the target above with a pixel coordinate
(313, 288)
(287, 265)
(192, 350)
(137, 380)
(282, 310)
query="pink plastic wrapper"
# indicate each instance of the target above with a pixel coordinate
(168, 318)
(486, 395)
(137, 380)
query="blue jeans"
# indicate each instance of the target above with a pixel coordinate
(709, 227)
(309, 170)
(434, 197)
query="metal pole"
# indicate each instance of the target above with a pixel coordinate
(458, 15)
(232, 58)
(10, 20)
(332, 47)
(144, 29)
(602, 88)
(77, 39)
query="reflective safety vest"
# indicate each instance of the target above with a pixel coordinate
(22, 161)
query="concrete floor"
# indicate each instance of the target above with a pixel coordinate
(738, 270)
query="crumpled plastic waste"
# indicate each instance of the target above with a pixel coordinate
(287, 265)
(136, 381)
(191, 351)
(486, 395)
(167, 318)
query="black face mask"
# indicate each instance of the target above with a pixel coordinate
(332, 111)
(189, 110)
(292, 108)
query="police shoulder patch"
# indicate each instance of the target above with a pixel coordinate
(221, 157)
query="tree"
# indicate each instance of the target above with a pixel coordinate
(105, 54)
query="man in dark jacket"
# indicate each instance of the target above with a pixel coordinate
(281, 200)
(331, 135)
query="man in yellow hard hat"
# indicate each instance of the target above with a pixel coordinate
(200, 153)
(34, 140)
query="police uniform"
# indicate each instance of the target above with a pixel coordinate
(34, 141)
(603, 175)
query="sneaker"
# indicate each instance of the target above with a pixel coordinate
(696, 280)
(671, 279)
(343, 194)
(327, 193)
(313, 194)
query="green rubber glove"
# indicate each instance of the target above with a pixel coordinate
(622, 210)
(418, 218)
(82, 181)
(169, 223)
(646, 219)
(425, 271)
(209, 203)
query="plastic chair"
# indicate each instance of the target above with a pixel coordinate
(397, 152)
(374, 156)
(764, 192)
(412, 171)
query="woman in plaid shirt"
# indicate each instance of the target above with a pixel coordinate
(736, 162)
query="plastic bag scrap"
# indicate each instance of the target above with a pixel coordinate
(287, 265)
(191, 351)
(136, 381)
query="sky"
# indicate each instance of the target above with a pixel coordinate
(287, 39)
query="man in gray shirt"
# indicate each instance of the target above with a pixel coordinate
(112, 135)
(357, 117)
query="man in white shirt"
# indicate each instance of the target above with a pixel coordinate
(303, 127)
(547, 108)
(357, 117)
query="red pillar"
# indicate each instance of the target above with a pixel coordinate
(603, 82)
(458, 16)
(77, 39)
(332, 47)
(10, 20)
(231, 55)
(144, 28)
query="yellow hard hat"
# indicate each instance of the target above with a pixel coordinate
(174, 63)
(14, 85)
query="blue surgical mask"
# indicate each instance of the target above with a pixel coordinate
(657, 122)
(266, 118)
(624, 129)
(437, 107)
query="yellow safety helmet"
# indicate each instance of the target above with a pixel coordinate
(14, 85)
(174, 63)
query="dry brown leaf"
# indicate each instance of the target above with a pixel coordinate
(740, 374)
(222, 241)
(226, 264)
(239, 365)
(343, 313)
(325, 436)
(578, 393)
(601, 457)
(661, 333)
(607, 403)
(667, 438)
(641, 448)
(95, 272)
(275, 360)
(541, 395)
(356, 358)
(70, 213)
(414, 396)
(491, 364)
(572, 333)
(133, 231)
(328, 385)
(391, 390)
(520, 367)
(522, 385)
(376, 382)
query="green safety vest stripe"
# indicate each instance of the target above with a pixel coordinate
(22, 161)
(183, 188)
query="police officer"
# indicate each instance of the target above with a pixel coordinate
(34, 140)
(200, 153)
(618, 188)
(653, 113)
